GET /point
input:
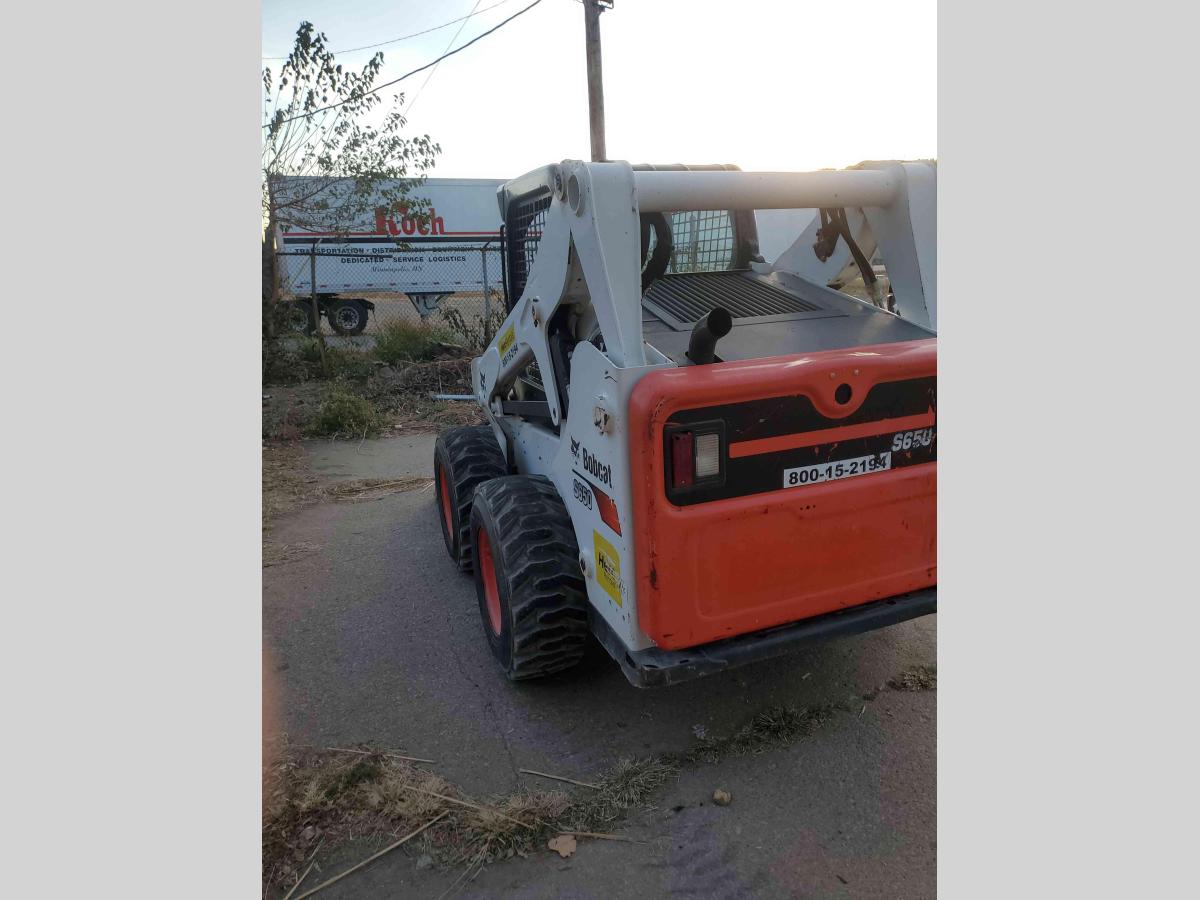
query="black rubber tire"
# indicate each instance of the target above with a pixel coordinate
(463, 458)
(347, 317)
(300, 317)
(535, 561)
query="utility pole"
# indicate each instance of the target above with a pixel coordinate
(591, 30)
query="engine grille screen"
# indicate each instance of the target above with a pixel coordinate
(687, 298)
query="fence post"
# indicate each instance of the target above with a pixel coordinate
(316, 309)
(270, 284)
(487, 300)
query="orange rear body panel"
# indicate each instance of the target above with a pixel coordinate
(728, 566)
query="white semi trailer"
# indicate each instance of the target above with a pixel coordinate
(385, 250)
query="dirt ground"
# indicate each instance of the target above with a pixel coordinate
(371, 635)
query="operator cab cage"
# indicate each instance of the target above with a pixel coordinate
(693, 241)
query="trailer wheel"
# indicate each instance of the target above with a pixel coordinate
(300, 318)
(531, 595)
(463, 459)
(348, 317)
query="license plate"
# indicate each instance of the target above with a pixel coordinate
(833, 471)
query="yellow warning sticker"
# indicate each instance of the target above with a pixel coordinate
(608, 567)
(506, 342)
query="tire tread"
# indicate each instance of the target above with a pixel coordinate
(473, 458)
(547, 596)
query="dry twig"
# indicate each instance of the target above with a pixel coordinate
(372, 753)
(607, 837)
(373, 857)
(560, 778)
(457, 884)
(299, 881)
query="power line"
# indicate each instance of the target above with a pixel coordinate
(414, 34)
(408, 74)
(421, 89)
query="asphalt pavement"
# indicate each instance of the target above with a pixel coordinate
(372, 635)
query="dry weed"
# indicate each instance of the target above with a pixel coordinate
(322, 797)
(917, 678)
(362, 489)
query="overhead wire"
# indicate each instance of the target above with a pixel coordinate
(406, 37)
(421, 89)
(407, 74)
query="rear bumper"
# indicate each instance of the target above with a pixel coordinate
(655, 667)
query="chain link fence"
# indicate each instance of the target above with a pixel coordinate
(355, 294)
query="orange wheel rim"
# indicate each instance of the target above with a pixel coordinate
(487, 571)
(444, 489)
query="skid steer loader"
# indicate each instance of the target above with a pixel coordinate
(701, 458)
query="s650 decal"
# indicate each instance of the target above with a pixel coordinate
(583, 493)
(907, 440)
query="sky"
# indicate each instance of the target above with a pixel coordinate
(769, 86)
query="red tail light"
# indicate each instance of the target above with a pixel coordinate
(683, 460)
(695, 457)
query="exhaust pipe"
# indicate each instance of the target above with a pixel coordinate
(702, 347)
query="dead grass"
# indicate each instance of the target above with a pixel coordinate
(439, 376)
(363, 489)
(323, 797)
(423, 416)
(917, 678)
(287, 485)
(280, 554)
(287, 409)
(777, 726)
(315, 799)
(320, 798)
(403, 393)
(630, 783)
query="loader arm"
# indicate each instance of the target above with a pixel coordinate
(588, 254)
